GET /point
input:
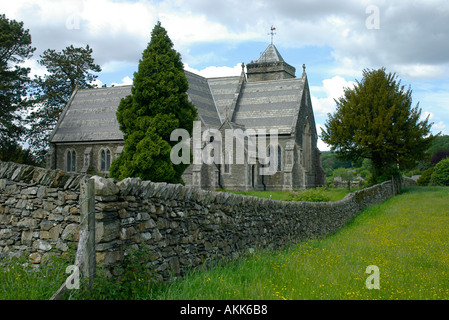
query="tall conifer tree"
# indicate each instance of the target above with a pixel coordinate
(67, 70)
(158, 104)
(15, 48)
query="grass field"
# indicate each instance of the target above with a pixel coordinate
(406, 237)
(19, 280)
(333, 194)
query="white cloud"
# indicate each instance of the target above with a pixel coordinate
(136, 18)
(115, 65)
(323, 98)
(440, 127)
(321, 145)
(213, 71)
(426, 114)
(125, 81)
(35, 68)
(97, 82)
(420, 71)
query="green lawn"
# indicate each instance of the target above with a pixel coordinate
(332, 193)
(406, 237)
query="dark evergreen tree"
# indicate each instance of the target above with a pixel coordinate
(375, 120)
(15, 48)
(16, 153)
(158, 104)
(67, 70)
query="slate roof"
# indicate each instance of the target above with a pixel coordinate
(271, 54)
(224, 91)
(200, 95)
(270, 104)
(90, 114)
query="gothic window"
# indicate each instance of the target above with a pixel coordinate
(275, 158)
(307, 147)
(70, 163)
(108, 159)
(227, 168)
(279, 158)
(105, 160)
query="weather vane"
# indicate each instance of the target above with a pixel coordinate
(272, 33)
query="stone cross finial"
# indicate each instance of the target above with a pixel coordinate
(272, 33)
(303, 70)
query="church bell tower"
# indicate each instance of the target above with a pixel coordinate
(270, 66)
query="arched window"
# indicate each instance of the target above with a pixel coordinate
(108, 159)
(70, 162)
(307, 147)
(227, 168)
(275, 158)
(279, 158)
(105, 160)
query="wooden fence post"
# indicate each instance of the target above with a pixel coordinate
(86, 256)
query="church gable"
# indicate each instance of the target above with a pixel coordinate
(90, 115)
(270, 105)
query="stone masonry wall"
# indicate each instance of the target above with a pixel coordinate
(39, 212)
(182, 226)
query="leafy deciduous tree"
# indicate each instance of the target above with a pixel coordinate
(375, 120)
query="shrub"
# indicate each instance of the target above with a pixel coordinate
(313, 195)
(131, 282)
(440, 175)
(424, 180)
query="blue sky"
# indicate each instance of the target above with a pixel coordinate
(336, 40)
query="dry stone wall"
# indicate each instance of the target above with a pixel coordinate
(39, 212)
(182, 226)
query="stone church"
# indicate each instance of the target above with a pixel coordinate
(267, 96)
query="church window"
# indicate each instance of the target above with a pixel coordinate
(227, 168)
(105, 160)
(275, 158)
(108, 159)
(279, 168)
(70, 161)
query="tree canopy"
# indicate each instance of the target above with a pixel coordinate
(375, 120)
(158, 104)
(15, 48)
(67, 70)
